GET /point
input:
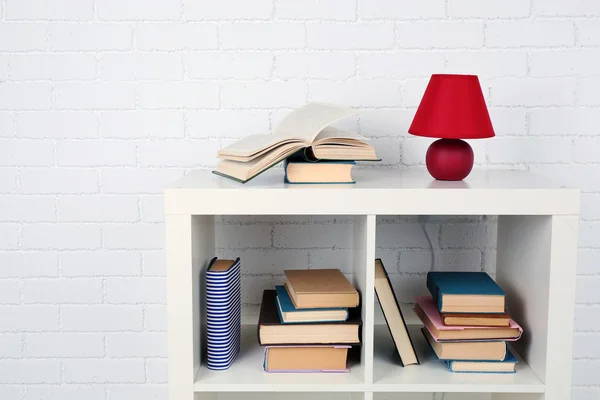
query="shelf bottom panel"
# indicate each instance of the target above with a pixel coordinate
(433, 375)
(246, 374)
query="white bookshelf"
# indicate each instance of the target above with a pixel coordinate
(536, 261)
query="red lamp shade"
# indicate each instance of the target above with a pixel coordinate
(453, 107)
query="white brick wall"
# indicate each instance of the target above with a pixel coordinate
(104, 102)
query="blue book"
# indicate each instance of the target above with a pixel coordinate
(223, 312)
(465, 292)
(507, 366)
(288, 314)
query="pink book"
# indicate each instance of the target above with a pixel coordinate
(306, 358)
(427, 311)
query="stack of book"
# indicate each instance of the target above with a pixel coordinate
(310, 323)
(319, 153)
(466, 323)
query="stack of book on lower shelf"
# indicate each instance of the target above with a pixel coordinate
(466, 323)
(310, 323)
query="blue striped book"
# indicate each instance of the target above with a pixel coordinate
(223, 312)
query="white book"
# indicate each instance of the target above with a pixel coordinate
(305, 128)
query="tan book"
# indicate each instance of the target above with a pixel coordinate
(320, 288)
(471, 351)
(306, 359)
(452, 319)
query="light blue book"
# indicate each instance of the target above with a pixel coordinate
(507, 366)
(288, 314)
(465, 292)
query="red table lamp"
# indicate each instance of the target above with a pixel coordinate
(452, 108)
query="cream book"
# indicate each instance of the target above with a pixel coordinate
(393, 316)
(305, 128)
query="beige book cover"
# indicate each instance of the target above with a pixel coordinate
(320, 288)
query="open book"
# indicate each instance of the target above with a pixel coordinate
(306, 128)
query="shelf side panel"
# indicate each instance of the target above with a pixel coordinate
(364, 279)
(536, 266)
(189, 247)
(523, 271)
(561, 308)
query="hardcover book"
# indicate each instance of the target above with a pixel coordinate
(271, 331)
(288, 314)
(506, 366)
(320, 288)
(307, 127)
(428, 313)
(462, 350)
(466, 292)
(306, 358)
(223, 306)
(393, 316)
(458, 319)
(298, 170)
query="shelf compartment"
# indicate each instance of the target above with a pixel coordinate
(246, 374)
(433, 376)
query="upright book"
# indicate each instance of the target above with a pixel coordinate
(466, 292)
(320, 288)
(393, 316)
(271, 331)
(223, 312)
(307, 127)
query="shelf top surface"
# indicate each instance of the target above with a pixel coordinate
(410, 179)
(377, 191)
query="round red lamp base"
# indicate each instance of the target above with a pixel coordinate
(449, 159)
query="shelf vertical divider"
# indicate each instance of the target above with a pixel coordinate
(364, 279)
(190, 246)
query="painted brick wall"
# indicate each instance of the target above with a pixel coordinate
(103, 102)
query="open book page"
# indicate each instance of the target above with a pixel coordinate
(246, 170)
(278, 147)
(252, 146)
(306, 122)
(331, 134)
(300, 126)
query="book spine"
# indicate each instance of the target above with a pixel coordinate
(434, 290)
